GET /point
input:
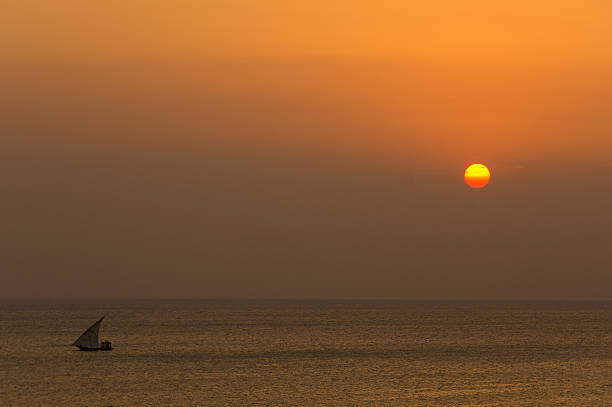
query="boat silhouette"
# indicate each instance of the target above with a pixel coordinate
(89, 341)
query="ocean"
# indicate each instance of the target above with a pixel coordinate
(307, 353)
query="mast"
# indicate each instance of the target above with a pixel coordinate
(89, 338)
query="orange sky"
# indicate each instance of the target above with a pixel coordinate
(546, 30)
(482, 79)
(302, 134)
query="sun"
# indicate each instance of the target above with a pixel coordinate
(477, 175)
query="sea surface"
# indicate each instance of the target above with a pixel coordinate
(308, 353)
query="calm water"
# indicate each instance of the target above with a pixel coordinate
(307, 353)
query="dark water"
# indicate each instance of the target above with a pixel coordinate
(307, 353)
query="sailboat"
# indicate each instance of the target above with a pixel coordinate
(89, 339)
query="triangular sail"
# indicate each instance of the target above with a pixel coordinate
(89, 338)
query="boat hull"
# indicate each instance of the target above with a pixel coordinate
(85, 349)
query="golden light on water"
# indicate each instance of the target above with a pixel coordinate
(477, 175)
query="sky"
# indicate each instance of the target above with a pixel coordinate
(274, 149)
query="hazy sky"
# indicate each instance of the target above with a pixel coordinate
(274, 149)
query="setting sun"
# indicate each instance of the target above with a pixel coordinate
(477, 175)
